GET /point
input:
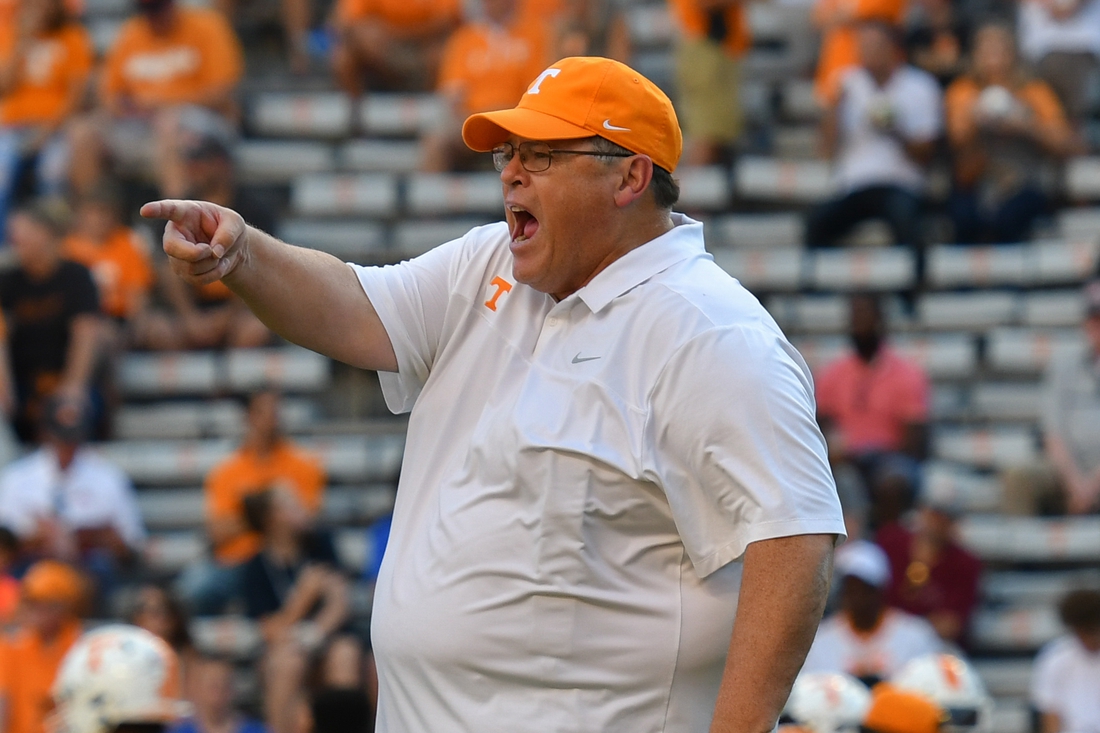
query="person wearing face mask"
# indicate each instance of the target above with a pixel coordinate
(872, 403)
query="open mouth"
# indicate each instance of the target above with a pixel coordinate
(524, 224)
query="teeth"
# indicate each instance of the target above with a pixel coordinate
(516, 208)
(520, 238)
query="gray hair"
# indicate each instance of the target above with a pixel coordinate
(666, 191)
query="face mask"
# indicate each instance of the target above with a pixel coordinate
(867, 345)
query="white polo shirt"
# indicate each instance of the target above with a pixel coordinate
(579, 478)
(1066, 682)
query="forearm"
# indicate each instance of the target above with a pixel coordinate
(783, 590)
(335, 607)
(83, 345)
(312, 299)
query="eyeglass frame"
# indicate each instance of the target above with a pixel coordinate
(499, 163)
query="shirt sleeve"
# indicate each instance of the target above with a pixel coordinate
(223, 60)
(411, 299)
(735, 446)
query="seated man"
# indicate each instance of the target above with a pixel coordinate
(873, 404)
(391, 44)
(52, 309)
(882, 131)
(866, 638)
(713, 38)
(1005, 130)
(165, 60)
(1067, 671)
(1067, 480)
(45, 64)
(487, 65)
(266, 459)
(52, 596)
(65, 501)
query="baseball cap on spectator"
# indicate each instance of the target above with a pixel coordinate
(864, 560)
(897, 711)
(50, 581)
(943, 497)
(66, 419)
(205, 135)
(1092, 298)
(580, 97)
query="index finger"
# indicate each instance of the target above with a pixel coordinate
(171, 209)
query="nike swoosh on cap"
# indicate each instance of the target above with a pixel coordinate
(608, 126)
(578, 358)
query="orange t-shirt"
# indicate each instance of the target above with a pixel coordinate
(199, 55)
(490, 67)
(9, 598)
(694, 23)
(120, 267)
(51, 66)
(27, 670)
(840, 46)
(399, 13)
(246, 472)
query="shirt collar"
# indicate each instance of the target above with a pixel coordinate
(684, 240)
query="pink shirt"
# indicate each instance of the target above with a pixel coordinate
(872, 403)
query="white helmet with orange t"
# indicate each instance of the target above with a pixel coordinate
(828, 702)
(113, 676)
(954, 685)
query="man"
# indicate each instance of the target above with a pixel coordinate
(1067, 480)
(65, 501)
(52, 594)
(604, 423)
(167, 59)
(882, 131)
(715, 36)
(873, 405)
(1067, 670)
(52, 311)
(212, 689)
(866, 638)
(266, 459)
(118, 679)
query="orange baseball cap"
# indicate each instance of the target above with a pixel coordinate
(585, 96)
(50, 581)
(896, 711)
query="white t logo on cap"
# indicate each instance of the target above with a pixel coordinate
(549, 72)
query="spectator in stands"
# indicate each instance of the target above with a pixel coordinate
(872, 404)
(294, 588)
(9, 586)
(292, 16)
(881, 131)
(1068, 479)
(1067, 671)
(52, 310)
(1061, 41)
(65, 501)
(44, 71)
(714, 36)
(266, 459)
(839, 22)
(866, 638)
(391, 44)
(210, 316)
(52, 595)
(937, 39)
(167, 60)
(487, 65)
(933, 576)
(157, 610)
(213, 693)
(1004, 130)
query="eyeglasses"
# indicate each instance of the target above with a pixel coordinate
(535, 157)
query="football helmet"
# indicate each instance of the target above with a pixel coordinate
(954, 685)
(116, 674)
(828, 702)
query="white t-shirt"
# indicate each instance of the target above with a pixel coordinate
(578, 480)
(91, 493)
(1066, 682)
(871, 157)
(899, 638)
(1041, 33)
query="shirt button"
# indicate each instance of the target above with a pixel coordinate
(553, 321)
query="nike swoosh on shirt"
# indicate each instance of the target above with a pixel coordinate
(608, 126)
(578, 358)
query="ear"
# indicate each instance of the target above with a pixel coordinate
(634, 181)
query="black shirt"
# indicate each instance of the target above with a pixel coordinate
(39, 318)
(265, 584)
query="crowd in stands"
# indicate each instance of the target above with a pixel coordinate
(996, 96)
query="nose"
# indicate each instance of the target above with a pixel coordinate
(513, 173)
